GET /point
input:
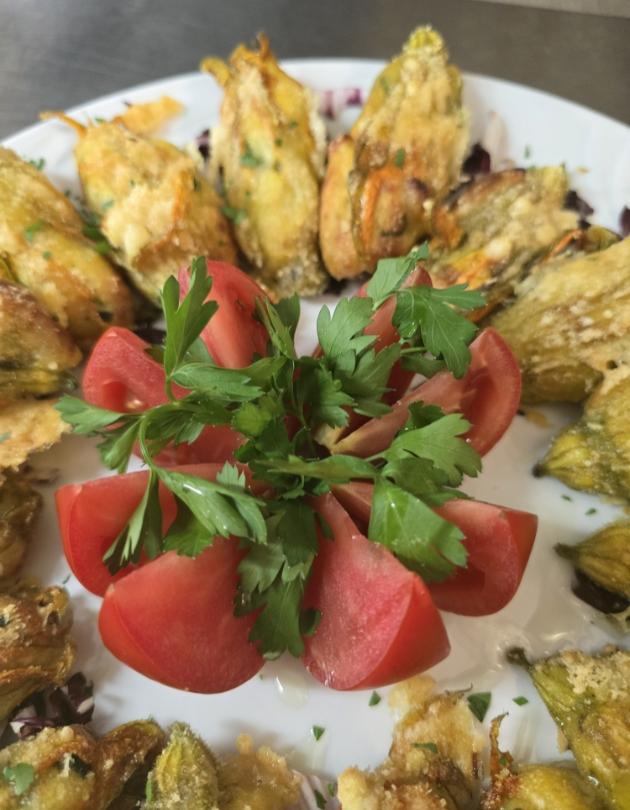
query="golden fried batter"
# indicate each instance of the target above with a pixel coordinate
(36, 354)
(28, 426)
(35, 650)
(433, 763)
(153, 205)
(488, 231)
(19, 506)
(269, 149)
(570, 322)
(43, 248)
(408, 146)
(66, 769)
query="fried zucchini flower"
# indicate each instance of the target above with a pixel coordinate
(185, 773)
(589, 698)
(570, 320)
(43, 248)
(19, 506)
(36, 354)
(268, 150)
(593, 454)
(536, 787)
(488, 231)
(434, 759)
(66, 769)
(602, 564)
(35, 649)
(152, 204)
(28, 426)
(405, 150)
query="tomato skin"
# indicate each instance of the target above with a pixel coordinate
(173, 621)
(233, 336)
(88, 526)
(379, 623)
(121, 376)
(488, 396)
(499, 542)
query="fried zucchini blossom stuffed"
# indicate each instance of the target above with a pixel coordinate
(268, 153)
(404, 151)
(43, 247)
(149, 199)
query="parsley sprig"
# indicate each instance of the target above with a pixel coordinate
(280, 403)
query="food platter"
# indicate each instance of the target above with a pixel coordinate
(517, 125)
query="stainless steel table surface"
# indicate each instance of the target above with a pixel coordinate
(58, 53)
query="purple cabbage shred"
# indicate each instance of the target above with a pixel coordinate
(202, 141)
(56, 706)
(624, 221)
(574, 202)
(333, 102)
(478, 161)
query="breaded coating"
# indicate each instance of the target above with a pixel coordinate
(153, 205)
(35, 648)
(19, 506)
(434, 761)
(570, 322)
(408, 145)
(66, 769)
(43, 248)
(589, 698)
(36, 354)
(257, 780)
(535, 787)
(28, 426)
(184, 775)
(593, 454)
(147, 118)
(268, 150)
(489, 230)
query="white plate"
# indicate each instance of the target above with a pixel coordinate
(281, 705)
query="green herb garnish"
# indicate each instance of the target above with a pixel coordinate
(427, 746)
(375, 699)
(399, 158)
(320, 801)
(38, 163)
(20, 777)
(520, 700)
(479, 704)
(318, 732)
(422, 468)
(31, 230)
(591, 511)
(250, 159)
(331, 787)
(237, 215)
(566, 498)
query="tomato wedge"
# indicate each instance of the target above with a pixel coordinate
(488, 395)
(399, 379)
(92, 515)
(121, 376)
(379, 623)
(498, 540)
(172, 620)
(233, 336)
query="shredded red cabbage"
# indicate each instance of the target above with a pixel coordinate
(56, 706)
(202, 142)
(624, 221)
(574, 202)
(478, 161)
(333, 102)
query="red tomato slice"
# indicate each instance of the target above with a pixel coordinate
(498, 540)
(488, 396)
(92, 515)
(121, 376)
(379, 623)
(173, 621)
(234, 336)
